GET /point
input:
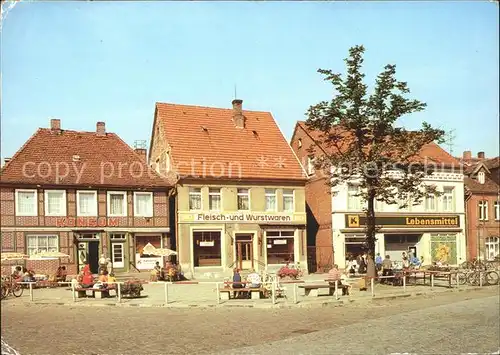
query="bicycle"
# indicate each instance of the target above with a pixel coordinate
(486, 278)
(10, 286)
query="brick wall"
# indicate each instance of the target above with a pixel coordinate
(9, 219)
(475, 227)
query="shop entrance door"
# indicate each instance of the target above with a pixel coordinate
(88, 251)
(244, 251)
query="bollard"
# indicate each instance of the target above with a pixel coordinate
(31, 292)
(166, 293)
(480, 279)
(274, 292)
(218, 293)
(458, 280)
(295, 293)
(432, 281)
(119, 292)
(372, 286)
(404, 283)
(73, 291)
(336, 289)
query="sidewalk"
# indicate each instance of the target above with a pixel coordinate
(204, 294)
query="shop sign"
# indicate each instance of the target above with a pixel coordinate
(238, 217)
(279, 241)
(207, 243)
(87, 222)
(451, 221)
(147, 263)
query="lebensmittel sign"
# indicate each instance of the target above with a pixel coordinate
(416, 221)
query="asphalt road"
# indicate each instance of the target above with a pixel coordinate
(449, 323)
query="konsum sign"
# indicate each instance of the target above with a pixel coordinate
(87, 222)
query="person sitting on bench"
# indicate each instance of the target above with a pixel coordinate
(87, 279)
(237, 282)
(386, 268)
(253, 279)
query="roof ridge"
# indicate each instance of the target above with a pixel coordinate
(79, 132)
(209, 107)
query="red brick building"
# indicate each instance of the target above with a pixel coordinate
(83, 194)
(482, 192)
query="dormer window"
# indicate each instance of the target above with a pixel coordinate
(480, 177)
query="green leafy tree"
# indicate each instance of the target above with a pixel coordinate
(361, 142)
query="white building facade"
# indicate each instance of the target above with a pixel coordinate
(434, 229)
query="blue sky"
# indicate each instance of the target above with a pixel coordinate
(85, 62)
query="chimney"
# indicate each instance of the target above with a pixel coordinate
(480, 155)
(55, 124)
(101, 128)
(467, 155)
(142, 152)
(238, 118)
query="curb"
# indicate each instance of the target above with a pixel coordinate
(318, 304)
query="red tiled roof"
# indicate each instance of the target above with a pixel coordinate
(104, 160)
(432, 152)
(474, 166)
(474, 186)
(204, 142)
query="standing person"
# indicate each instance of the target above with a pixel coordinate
(406, 260)
(361, 264)
(102, 263)
(352, 266)
(109, 265)
(386, 267)
(378, 262)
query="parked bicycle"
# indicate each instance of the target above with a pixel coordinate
(479, 277)
(10, 286)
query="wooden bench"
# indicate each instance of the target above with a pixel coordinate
(82, 292)
(313, 290)
(225, 293)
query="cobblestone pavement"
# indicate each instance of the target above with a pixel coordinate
(51, 329)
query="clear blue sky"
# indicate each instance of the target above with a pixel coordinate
(85, 62)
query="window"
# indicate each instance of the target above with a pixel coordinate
(42, 243)
(430, 202)
(86, 203)
(288, 200)
(299, 143)
(497, 210)
(483, 210)
(353, 200)
(26, 203)
(143, 204)
(270, 200)
(195, 198)
(280, 247)
(207, 248)
(480, 177)
(55, 203)
(214, 199)
(492, 246)
(448, 203)
(117, 203)
(310, 165)
(243, 199)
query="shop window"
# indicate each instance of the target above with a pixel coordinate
(86, 202)
(444, 248)
(117, 204)
(483, 210)
(42, 243)
(270, 199)
(26, 203)
(143, 204)
(55, 203)
(207, 248)
(353, 198)
(214, 199)
(288, 200)
(448, 201)
(195, 198)
(280, 247)
(243, 199)
(492, 246)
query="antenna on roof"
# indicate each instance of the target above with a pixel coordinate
(235, 95)
(449, 140)
(140, 144)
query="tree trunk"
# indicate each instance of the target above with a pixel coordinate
(370, 223)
